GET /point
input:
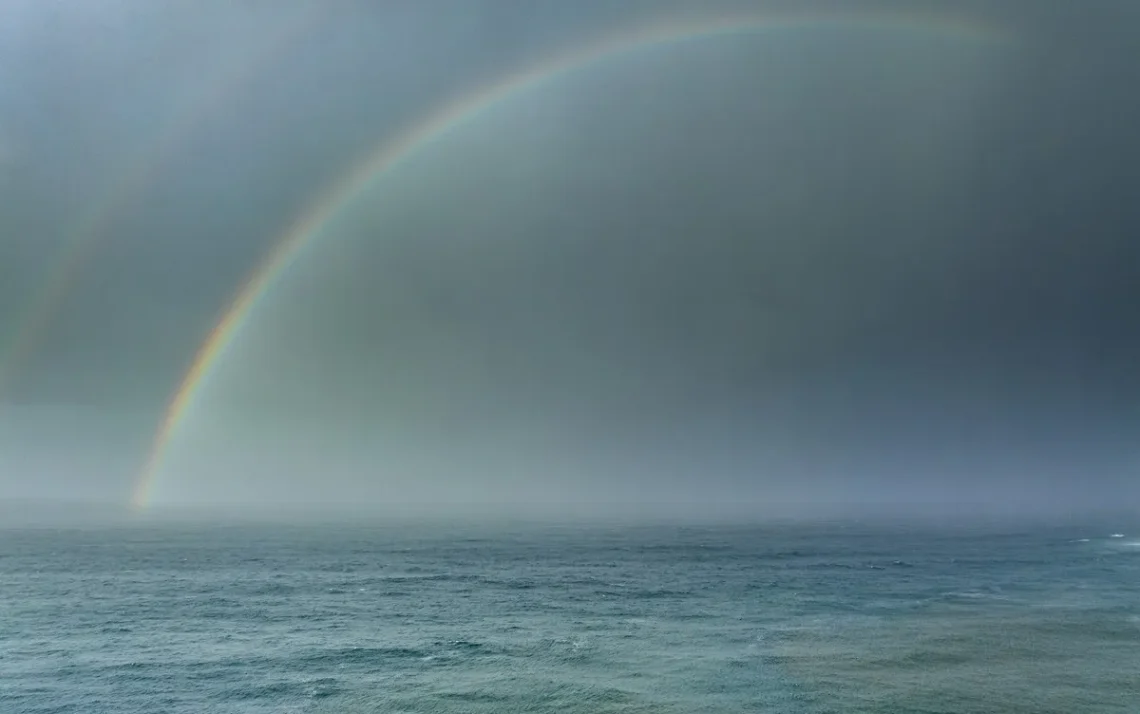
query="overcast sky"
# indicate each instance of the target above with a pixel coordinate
(744, 274)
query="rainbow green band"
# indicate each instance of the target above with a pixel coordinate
(392, 152)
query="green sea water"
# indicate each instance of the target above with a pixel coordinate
(593, 619)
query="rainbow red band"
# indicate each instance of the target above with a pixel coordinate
(392, 152)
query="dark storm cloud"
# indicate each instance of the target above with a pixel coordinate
(837, 271)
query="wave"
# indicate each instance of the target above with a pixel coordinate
(313, 689)
(363, 655)
(977, 595)
(501, 693)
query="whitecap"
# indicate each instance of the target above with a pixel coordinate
(1117, 535)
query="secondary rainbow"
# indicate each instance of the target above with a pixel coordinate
(83, 236)
(391, 153)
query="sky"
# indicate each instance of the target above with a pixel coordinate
(884, 267)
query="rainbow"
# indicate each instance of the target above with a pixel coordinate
(451, 115)
(83, 236)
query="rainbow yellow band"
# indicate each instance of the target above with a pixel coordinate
(392, 152)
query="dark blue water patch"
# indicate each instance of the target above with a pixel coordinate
(363, 655)
(322, 688)
(465, 645)
(643, 593)
(509, 583)
(282, 690)
(478, 696)
(274, 589)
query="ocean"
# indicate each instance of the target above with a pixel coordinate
(812, 618)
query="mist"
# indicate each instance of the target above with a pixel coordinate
(820, 271)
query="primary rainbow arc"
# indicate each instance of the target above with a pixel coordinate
(391, 153)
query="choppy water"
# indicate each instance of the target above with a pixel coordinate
(355, 619)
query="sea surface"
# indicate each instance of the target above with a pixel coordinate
(592, 619)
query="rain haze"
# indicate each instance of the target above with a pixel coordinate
(575, 356)
(713, 259)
